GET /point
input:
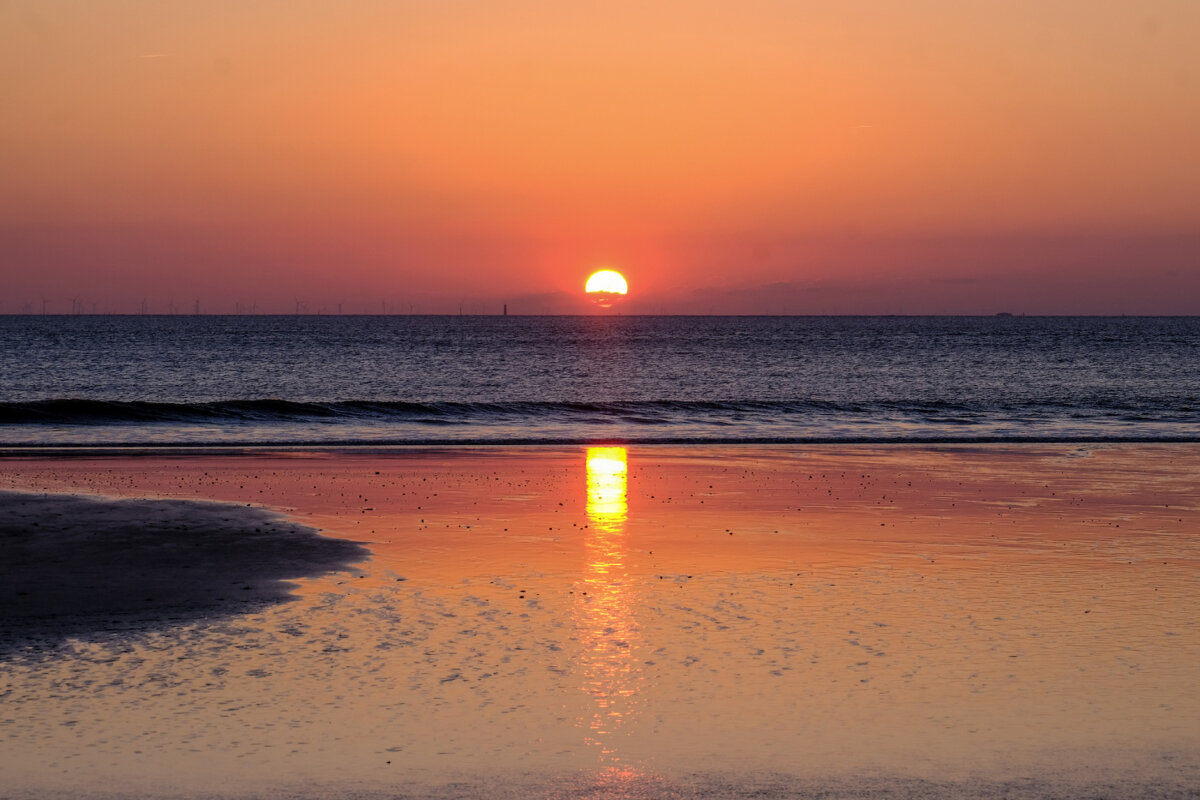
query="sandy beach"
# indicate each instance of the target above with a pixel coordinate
(768, 621)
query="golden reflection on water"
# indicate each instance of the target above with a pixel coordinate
(604, 606)
(607, 488)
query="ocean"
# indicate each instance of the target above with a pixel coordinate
(411, 380)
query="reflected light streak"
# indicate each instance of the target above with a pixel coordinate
(607, 488)
(604, 619)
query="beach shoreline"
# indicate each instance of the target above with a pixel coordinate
(887, 620)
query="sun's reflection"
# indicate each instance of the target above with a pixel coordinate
(607, 488)
(604, 607)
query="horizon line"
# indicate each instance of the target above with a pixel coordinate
(997, 315)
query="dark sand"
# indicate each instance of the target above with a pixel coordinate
(87, 566)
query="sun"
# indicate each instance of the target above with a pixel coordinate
(606, 286)
(607, 280)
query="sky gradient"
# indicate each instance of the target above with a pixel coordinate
(925, 156)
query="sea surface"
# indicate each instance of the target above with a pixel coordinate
(398, 380)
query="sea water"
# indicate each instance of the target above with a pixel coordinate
(293, 380)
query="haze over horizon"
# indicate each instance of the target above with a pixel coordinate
(867, 157)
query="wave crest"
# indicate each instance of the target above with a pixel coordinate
(74, 411)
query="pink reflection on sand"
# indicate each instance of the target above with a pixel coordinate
(603, 611)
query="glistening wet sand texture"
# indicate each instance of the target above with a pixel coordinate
(889, 622)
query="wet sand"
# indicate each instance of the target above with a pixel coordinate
(659, 622)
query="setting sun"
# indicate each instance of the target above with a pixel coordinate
(606, 286)
(607, 281)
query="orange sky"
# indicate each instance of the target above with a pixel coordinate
(925, 156)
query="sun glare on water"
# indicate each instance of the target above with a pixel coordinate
(607, 490)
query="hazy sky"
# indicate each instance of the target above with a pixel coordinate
(774, 156)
